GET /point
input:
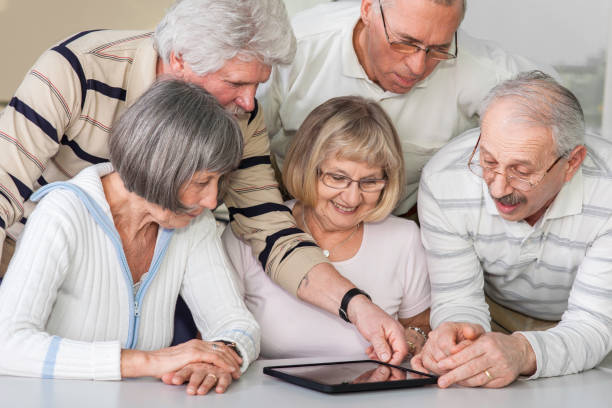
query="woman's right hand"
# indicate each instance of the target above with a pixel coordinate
(137, 363)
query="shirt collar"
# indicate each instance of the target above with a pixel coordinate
(143, 72)
(568, 202)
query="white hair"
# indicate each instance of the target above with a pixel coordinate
(539, 100)
(207, 33)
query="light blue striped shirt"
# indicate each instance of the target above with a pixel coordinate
(559, 269)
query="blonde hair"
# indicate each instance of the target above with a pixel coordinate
(349, 128)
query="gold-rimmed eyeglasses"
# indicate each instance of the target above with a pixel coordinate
(406, 47)
(518, 181)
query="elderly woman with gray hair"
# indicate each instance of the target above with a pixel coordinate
(91, 290)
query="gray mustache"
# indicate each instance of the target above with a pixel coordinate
(511, 199)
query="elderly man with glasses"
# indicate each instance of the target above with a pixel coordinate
(408, 55)
(521, 208)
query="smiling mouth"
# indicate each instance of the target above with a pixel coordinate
(343, 208)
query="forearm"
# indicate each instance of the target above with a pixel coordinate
(568, 348)
(259, 218)
(134, 363)
(421, 321)
(214, 298)
(38, 354)
(455, 273)
(324, 287)
(528, 356)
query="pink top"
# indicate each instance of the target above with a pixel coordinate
(390, 266)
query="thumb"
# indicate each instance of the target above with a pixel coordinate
(381, 348)
(472, 332)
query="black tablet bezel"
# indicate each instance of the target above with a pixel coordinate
(344, 387)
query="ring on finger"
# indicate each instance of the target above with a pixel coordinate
(411, 346)
(213, 376)
(488, 374)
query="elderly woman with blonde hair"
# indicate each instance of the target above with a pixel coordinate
(345, 170)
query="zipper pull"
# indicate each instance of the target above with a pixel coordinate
(136, 309)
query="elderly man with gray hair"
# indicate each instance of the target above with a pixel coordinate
(521, 207)
(60, 118)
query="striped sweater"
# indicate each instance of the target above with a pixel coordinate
(59, 121)
(67, 305)
(559, 269)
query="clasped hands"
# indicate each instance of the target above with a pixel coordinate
(202, 364)
(462, 353)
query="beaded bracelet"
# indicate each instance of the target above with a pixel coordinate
(418, 330)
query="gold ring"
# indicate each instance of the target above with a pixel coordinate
(488, 374)
(412, 346)
(212, 375)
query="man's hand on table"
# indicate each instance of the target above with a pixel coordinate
(462, 353)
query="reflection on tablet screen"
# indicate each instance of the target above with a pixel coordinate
(351, 373)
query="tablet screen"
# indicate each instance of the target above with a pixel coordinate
(358, 372)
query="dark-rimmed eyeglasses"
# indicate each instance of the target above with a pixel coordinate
(406, 47)
(516, 180)
(341, 182)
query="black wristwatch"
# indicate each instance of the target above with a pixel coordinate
(346, 299)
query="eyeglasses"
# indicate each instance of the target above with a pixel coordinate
(518, 181)
(411, 48)
(341, 182)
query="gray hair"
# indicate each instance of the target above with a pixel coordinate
(441, 2)
(541, 101)
(207, 33)
(172, 131)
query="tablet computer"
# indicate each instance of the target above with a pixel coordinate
(350, 376)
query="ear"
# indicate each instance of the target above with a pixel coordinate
(177, 66)
(576, 157)
(366, 11)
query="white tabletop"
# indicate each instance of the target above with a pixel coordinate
(590, 389)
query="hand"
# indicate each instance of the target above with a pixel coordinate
(494, 360)
(202, 378)
(324, 287)
(447, 339)
(385, 334)
(136, 363)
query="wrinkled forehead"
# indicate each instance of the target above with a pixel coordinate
(506, 134)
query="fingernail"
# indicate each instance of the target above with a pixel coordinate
(443, 383)
(191, 390)
(384, 356)
(176, 381)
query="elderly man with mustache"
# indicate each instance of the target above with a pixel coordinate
(521, 208)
